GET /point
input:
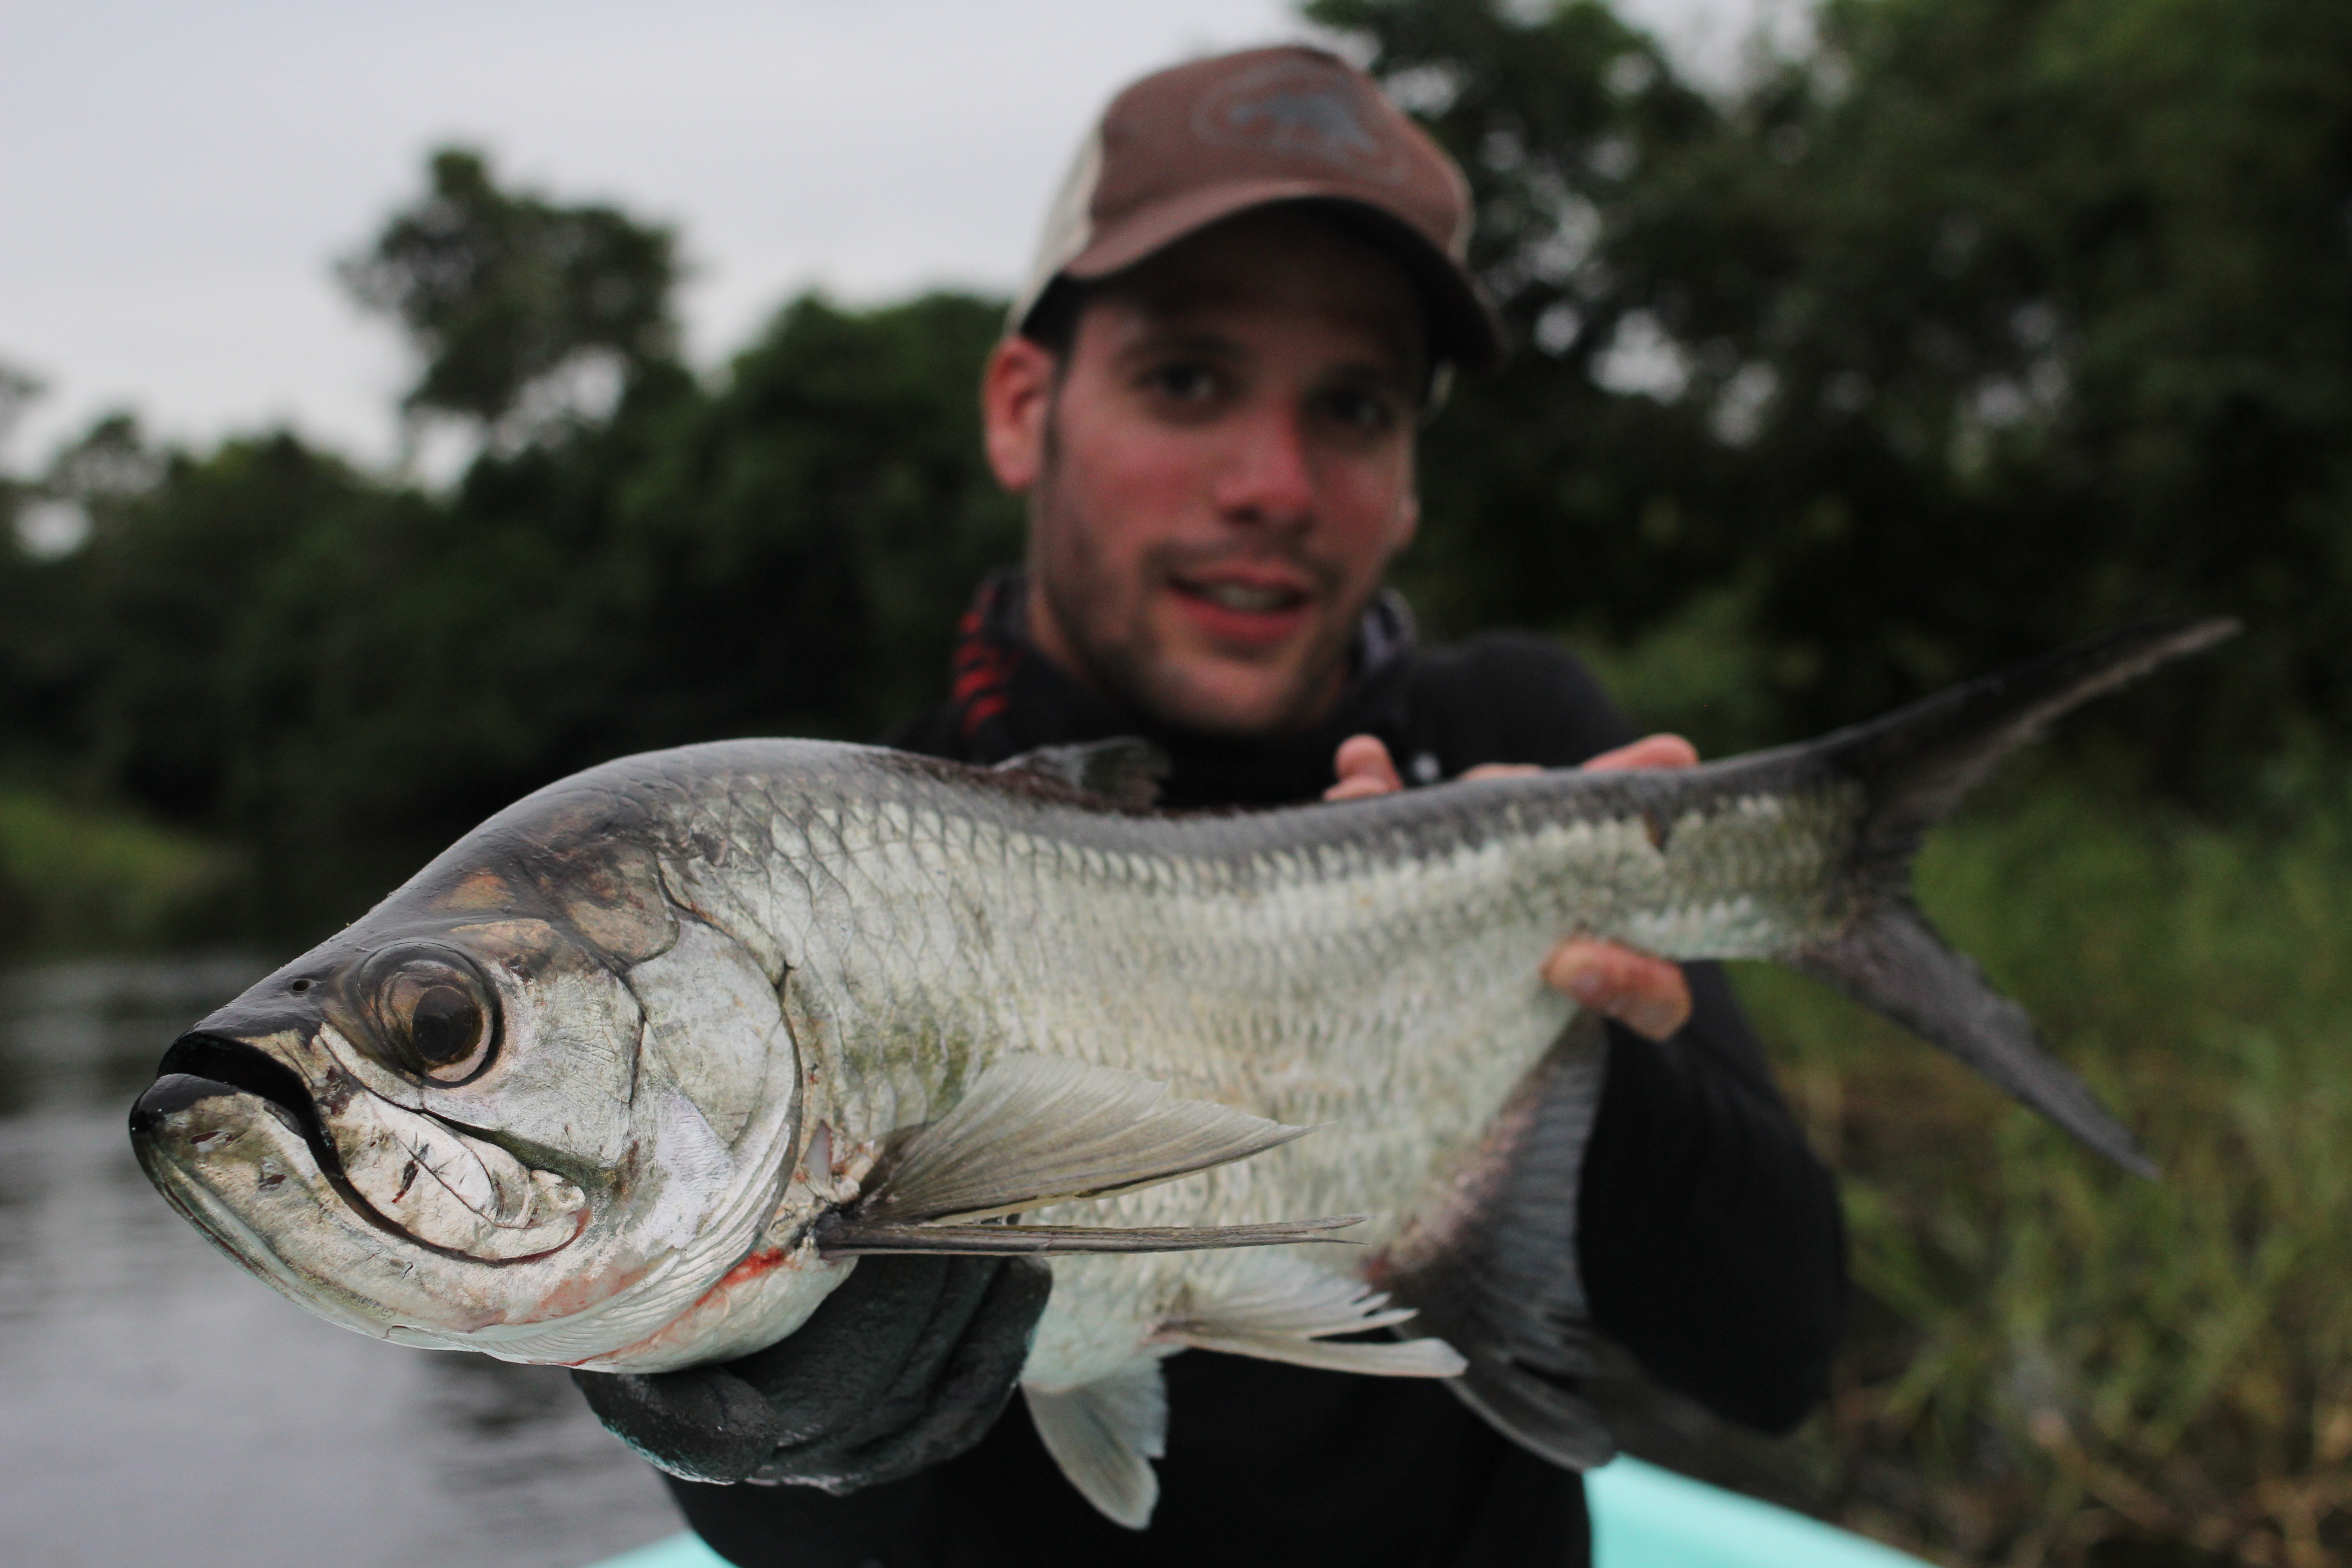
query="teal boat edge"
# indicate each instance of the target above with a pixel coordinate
(1642, 1517)
(683, 1550)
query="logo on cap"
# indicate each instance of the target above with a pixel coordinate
(1293, 108)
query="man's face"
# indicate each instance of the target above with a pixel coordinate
(1219, 473)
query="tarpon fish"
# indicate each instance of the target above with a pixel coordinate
(629, 1077)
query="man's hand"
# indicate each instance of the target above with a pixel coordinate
(1647, 994)
(906, 1364)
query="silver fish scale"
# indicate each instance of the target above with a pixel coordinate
(1367, 969)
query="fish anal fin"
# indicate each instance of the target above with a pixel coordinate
(1104, 1436)
(1286, 1310)
(1031, 1131)
(1494, 1274)
(1547, 1418)
(1124, 771)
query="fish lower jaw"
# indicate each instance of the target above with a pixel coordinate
(243, 1176)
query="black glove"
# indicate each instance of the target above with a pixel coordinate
(908, 1362)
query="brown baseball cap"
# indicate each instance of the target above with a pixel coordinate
(1185, 147)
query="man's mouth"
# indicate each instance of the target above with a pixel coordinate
(1255, 598)
(1255, 612)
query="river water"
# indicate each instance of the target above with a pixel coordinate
(159, 1406)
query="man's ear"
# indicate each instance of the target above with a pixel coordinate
(1016, 399)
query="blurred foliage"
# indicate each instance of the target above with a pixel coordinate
(75, 880)
(1978, 326)
(340, 674)
(1979, 323)
(2058, 1363)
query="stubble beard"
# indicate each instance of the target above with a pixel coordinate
(1107, 625)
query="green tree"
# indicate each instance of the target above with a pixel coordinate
(340, 674)
(1553, 498)
(501, 290)
(19, 389)
(817, 530)
(1990, 322)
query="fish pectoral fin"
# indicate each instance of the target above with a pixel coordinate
(1031, 1131)
(1124, 771)
(838, 1237)
(1286, 1310)
(1105, 1434)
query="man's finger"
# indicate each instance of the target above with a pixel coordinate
(1364, 768)
(1649, 751)
(1645, 994)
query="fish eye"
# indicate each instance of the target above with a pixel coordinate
(435, 1016)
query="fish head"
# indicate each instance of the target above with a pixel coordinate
(526, 1107)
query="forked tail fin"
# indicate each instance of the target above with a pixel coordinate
(1914, 766)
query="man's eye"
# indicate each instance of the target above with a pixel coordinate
(1366, 413)
(1183, 382)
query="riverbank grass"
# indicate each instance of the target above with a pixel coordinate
(2056, 1363)
(84, 880)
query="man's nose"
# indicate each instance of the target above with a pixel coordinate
(1269, 476)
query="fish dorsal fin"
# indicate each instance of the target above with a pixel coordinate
(1494, 1273)
(1126, 771)
(1284, 1308)
(1105, 1436)
(1031, 1131)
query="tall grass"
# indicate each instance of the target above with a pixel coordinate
(2056, 1363)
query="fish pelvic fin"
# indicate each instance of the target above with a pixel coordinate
(1494, 1273)
(1914, 766)
(1031, 1131)
(1103, 1435)
(1286, 1310)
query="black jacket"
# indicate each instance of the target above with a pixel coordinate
(1709, 1236)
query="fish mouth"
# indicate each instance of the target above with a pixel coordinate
(201, 1067)
(405, 1172)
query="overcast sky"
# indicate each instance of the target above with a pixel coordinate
(176, 180)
